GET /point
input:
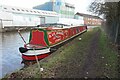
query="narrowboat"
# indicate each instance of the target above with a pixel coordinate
(43, 38)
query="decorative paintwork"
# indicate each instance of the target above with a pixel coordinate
(42, 39)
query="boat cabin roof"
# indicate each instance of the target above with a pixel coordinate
(56, 25)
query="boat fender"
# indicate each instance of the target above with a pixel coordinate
(23, 50)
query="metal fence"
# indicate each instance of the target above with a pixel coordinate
(112, 27)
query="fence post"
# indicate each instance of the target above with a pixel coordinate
(118, 39)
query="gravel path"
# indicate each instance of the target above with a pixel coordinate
(90, 68)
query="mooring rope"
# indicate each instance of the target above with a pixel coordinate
(37, 62)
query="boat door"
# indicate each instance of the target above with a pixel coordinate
(39, 37)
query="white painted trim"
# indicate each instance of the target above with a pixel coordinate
(37, 52)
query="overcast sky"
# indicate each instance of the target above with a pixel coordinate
(80, 5)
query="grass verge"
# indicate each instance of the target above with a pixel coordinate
(108, 56)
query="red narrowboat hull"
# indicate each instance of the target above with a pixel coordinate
(33, 58)
(41, 38)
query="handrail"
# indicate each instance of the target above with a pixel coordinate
(21, 36)
(2, 20)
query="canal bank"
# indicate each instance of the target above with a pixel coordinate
(91, 57)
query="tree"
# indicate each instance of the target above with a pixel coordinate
(111, 13)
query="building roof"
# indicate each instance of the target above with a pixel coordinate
(87, 15)
(48, 6)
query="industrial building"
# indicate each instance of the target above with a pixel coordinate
(22, 17)
(67, 13)
(65, 10)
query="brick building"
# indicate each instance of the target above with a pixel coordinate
(89, 20)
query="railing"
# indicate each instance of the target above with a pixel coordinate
(4, 23)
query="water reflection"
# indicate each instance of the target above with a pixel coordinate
(11, 58)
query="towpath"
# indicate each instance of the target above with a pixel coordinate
(82, 59)
(75, 68)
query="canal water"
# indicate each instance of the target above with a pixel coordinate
(9, 51)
